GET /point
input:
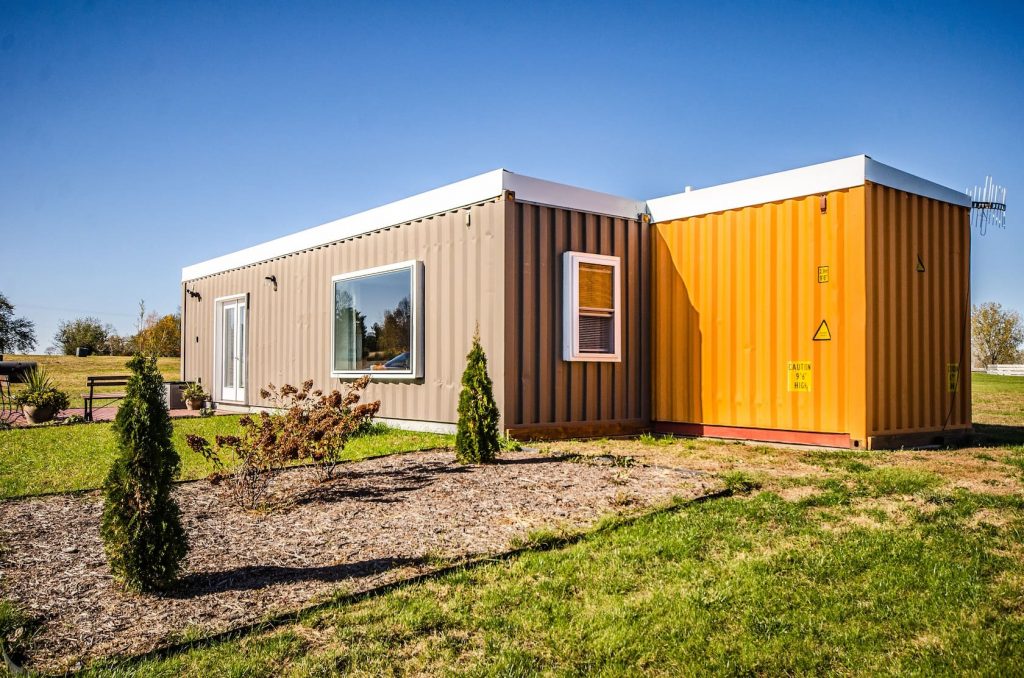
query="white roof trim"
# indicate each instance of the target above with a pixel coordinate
(453, 196)
(821, 178)
(541, 192)
(885, 175)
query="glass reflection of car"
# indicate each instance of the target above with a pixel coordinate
(399, 362)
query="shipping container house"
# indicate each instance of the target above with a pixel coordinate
(398, 291)
(825, 305)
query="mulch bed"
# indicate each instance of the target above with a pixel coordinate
(383, 520)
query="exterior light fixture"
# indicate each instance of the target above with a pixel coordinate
(193, 294)
(271, 281)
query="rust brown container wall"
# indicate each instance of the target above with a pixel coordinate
(290, 328)
(546, 396)
(918, 273)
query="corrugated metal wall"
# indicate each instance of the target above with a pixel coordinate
(543, 393)
(289, 330)
(918, 321)
(734, 298)
(737, 298)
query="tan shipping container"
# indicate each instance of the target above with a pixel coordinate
(493, 263)
(290, 327)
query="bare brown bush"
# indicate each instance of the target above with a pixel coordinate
(316, 427)
(308, 425)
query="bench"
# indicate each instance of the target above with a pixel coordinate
(8, 411)
(106, 380)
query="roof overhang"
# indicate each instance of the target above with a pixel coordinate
(810, 180)
(463, 193)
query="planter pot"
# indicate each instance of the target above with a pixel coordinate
(194, 403)
(38, 415)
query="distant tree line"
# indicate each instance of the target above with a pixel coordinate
(155, 334)
(158, 335)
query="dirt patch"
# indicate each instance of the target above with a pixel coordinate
(963, 469)
(385, 519)
(783, 466)
(993, 517)
(700, 454)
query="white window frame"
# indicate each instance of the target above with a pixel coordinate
(571, 307)
(415, 370)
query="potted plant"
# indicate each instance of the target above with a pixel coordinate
(41, 401)
(194, 395)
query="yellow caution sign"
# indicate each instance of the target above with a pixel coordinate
(823, 274)
(920, 264)
(823, 333)
(952, 376)
(799, 376)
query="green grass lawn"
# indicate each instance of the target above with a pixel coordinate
(738, 586)
(834, 563)
(69, 373)
(65, 458)
(998, 407)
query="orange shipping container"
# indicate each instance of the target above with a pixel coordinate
(825, 305)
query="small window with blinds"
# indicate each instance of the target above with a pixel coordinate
(591, 327)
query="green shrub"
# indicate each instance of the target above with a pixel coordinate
(141, 527)
(476, 440)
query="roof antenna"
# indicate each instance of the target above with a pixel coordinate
(988, 205)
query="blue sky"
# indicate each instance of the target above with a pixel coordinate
(136, 138)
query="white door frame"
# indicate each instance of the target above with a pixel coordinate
(237, 394)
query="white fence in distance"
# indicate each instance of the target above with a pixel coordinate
(1006, 370)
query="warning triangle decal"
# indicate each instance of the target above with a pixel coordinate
(920, 264)
(823, 333)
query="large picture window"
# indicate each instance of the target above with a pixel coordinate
(377, 322)
(591, 298)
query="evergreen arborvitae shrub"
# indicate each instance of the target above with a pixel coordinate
(476, 440)
(141, 528)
